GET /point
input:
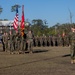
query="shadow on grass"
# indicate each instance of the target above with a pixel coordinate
(66, 55)
(39, 60)
(39, 51)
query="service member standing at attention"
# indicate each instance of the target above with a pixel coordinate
(72, 39)
(5, 41)
(11, 42)
(30, 41)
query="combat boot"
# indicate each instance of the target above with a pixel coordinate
(30, 52)
(72, 61)
(11, 53)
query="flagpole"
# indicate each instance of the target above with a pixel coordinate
(22, 26)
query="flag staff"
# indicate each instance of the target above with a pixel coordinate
(22, 26)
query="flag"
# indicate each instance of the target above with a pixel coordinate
(22, 19)
(15, 23)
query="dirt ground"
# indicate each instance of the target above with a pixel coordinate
(43, 61)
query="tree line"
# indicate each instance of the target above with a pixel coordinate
(40, 27)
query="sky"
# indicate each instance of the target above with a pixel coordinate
(53, 11)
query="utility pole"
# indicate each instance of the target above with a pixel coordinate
(70, 16)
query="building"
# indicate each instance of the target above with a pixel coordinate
(6, 26)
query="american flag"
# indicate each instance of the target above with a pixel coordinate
(15, 23)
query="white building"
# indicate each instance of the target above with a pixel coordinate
(7, 25)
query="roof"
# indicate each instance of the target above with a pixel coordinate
(6, 23)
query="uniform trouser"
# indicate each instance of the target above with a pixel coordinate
(36, 42)
(23, 45)
(12, 47)
(18, 45)
(45, 43)
(30, 44)
(6, 45)
(41, 43)
(73, 50)
(3, 46)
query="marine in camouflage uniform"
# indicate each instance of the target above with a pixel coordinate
(41, 41)
(56, 41)
(5, 40)
(18, 41)
(23, 41)
(30, 41)
(36, 40)
(72, 48)
(48, 41)
(11, 43)
(45, 40)
(59, 39)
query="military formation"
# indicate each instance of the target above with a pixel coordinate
(22, 42)
(18, 41)
(51, 41)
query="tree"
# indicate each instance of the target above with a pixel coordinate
(39, 27)
(5, 19)
(1, 9)
(40, 23)
(13, 8)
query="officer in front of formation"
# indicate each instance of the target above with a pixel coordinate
(72, 41)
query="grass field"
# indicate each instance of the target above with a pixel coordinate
(43, 61)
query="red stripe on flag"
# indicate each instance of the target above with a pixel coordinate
(15, 23)
(22, 20)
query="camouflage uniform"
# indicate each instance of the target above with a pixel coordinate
(18, 41)
(3, 35)
(48, 41)
(51, 40)
(23, 42)
(11, 42)
(41, 41)
(45, 40)
(36, 40)
(5, 41)
(39, 44)
(30, 41)
(56, 41)
(59, 39)
(72, 40)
